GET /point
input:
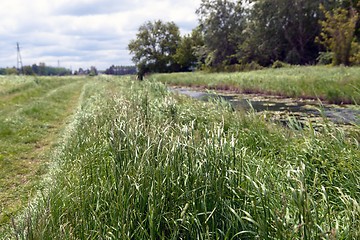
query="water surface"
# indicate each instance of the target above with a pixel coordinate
(344, 114)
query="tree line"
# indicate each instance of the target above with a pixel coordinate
(120, 70)
(233, 35)
(43, 70)
(40, 70)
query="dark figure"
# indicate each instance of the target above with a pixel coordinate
(140, 76)
(142, 69)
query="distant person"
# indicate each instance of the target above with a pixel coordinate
(140, 76)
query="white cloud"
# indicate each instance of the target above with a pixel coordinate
(81, 33)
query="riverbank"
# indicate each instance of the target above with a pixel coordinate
(339, 85)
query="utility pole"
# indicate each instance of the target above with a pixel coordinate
(19, 59)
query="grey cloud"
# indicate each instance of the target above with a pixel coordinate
(96, 7)
(186, 26)
(84, 34)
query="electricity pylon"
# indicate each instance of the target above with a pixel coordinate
(19, 60)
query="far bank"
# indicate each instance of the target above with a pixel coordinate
(340, 85)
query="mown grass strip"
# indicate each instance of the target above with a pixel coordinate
(145, 164)
(21, 91)
(27, 130)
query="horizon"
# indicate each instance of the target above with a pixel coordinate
(80, 34)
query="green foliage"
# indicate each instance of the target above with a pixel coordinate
(325, 58)
(43, 70)
(222, 23)
(199, 49)
(155, 46)
(121, 70)
(279, 64)
(355, 53)
(263, 31)
(338, 31)
(11, 71)
(244, 67)
(27, 70)
(141, 163)
(185, 56)
(189, 52)
(281, 30)
(93, 71)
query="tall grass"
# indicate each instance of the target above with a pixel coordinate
(146, 164)
(333, 84)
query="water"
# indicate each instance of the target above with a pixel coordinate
(300, 108)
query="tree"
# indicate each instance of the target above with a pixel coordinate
(81, 71)
(27, 70)
(155, 46)
(300, 30)
(282, 30)
(222, 23)
(354, 4)
(264, 41)
(42, 71)
(35, 69)
(11, 71)
(121, 70)
(93, 71)
(187, 52)
(184, 54)
(338, 31)
(198, 47)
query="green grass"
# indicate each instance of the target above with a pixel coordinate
(32, 112)
(138, 162)
(332, 84)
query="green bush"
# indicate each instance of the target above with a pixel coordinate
(355, 57)
(279, 64)
(325, 58)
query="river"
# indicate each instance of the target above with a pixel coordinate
(299, 108)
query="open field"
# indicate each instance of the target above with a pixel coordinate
(138, 162)
(332, 84)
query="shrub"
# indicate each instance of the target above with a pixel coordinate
(279, 64)
(355, 55)
(325, 58)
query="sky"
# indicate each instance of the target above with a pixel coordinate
(82, 33)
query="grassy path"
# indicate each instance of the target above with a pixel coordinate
(19, 91)
(32, 112)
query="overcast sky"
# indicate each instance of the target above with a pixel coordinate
(82, 33)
